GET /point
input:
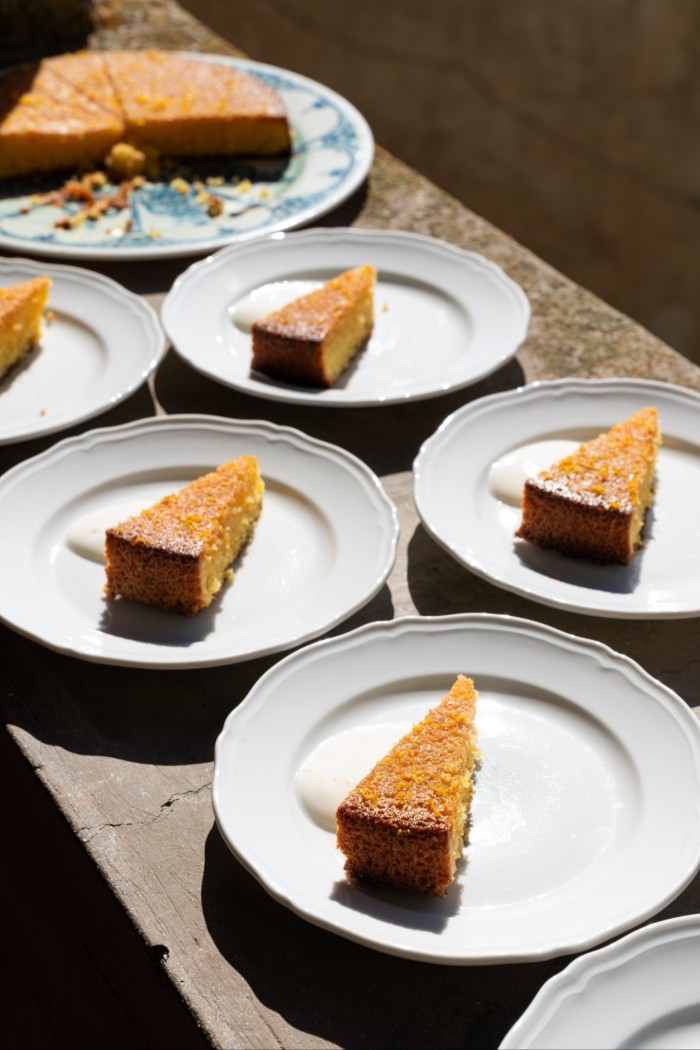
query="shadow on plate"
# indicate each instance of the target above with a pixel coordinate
(123, 618)
(575, 572)
(135, 713)
(671, 1029)
(578, 572)
(229, 169)
(144, 623)
(413, 911)
(19, 367)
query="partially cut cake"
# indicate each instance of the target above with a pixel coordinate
(313, 339)
(68, 111)
(176, 554)
(404, 824)
(592, 504)
(21, 314)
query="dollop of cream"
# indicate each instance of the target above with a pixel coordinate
(266, 298)
(337, 764)
(86, 535)
(509, 473)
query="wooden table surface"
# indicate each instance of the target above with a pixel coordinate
(126, 755)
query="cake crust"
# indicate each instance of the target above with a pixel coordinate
(313, 339)
(404, 824)
(592, 504)
(175, 554)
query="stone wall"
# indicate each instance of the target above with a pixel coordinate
(574, 126)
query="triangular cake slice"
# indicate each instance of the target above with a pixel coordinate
(176, 554)
(592, 504)
(313, 339)
(404, 824)
(21, 312)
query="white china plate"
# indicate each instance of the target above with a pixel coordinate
(642, 991)
(332, 151)
(101, 345)
(584, 756)
(454, 499)
(323, 546)
(444, 317)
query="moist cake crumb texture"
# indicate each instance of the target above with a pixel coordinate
(313, 339)
(21, 315)
(176, 554)
(404, 824)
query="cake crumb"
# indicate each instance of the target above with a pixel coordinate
(124, 161)
(179, 185)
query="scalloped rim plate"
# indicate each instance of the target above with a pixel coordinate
(455, 503)
(323, 547)
(641, 991)
(444, 317)
(332, 152)
(584, 755)
(100, 347)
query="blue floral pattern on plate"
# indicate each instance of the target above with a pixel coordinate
(332, 150)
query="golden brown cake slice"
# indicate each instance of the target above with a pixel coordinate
(404, 824)
(313, 339)
(183, 106)
(592, 504)
(175, 554)
(46, 124)
(21, 312)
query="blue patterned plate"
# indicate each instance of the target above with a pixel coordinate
(332, 150)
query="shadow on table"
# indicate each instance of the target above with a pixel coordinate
(439, 585)
(386, 437)
(158, 717)
(334, 989)
(138, 405)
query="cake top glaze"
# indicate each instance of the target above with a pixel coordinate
(607, 471)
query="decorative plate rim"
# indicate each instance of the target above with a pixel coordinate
(368, 482)
(186, 284)
(241, 720)
(532, 392)
(155, 341)
(552, 997)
